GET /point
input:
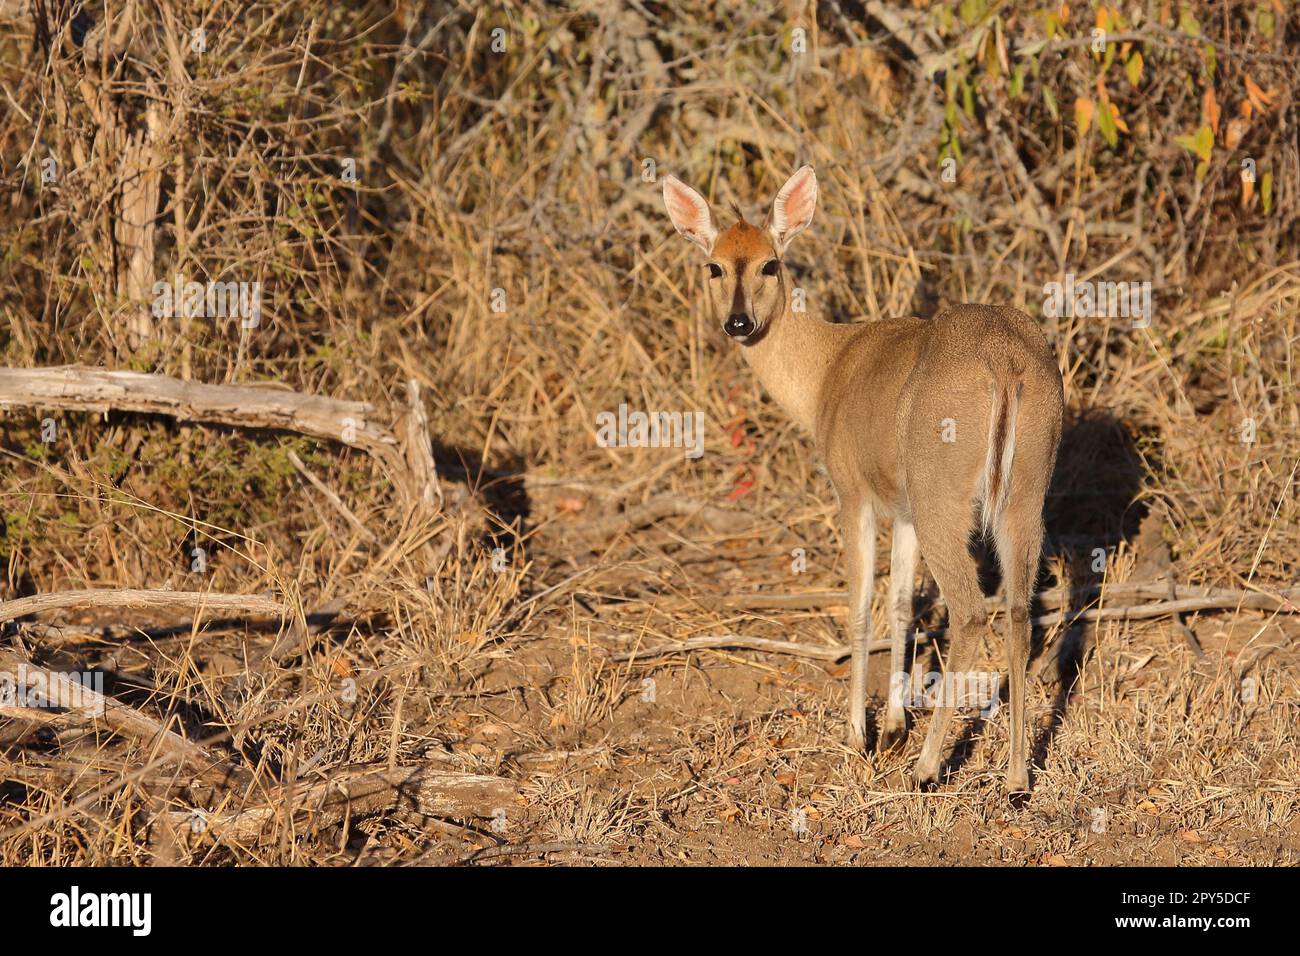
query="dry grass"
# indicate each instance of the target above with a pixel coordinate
(479, 642)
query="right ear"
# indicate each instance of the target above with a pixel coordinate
(690, 213)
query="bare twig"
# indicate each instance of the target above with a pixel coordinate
(331, 497)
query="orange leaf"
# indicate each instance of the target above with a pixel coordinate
(1261, 100)
(743, 485)
(1083, 110)
(1210, 108)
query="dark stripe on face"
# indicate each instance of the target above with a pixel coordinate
(738, 296)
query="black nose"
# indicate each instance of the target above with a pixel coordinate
(739, 325)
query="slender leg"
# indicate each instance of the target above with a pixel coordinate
(943, 539)
(860, 542)
(902, 575)
(1019, 542)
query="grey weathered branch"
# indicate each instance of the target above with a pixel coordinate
(1282, 602)
(244, 406)
(1054, 598)
(363, 790)
(408, 463)
(205, 602)
(45, 688)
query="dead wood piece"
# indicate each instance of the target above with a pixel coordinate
(366, 790)
(1281, 602)
(831, 653)
(243, 406)
(528, 849)
(1054, 598)
(201, 602)
(45, 688)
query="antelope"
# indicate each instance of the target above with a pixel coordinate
(946, 427)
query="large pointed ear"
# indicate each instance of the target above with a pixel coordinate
(690, 213)
(793, 209)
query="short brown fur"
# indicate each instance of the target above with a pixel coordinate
(940, 426)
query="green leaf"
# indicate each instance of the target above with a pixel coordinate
(971, 11)
(1211, 59)
(1133, 68)
(1106, 125)
(1201, 143)
(1017, 85)
(1264, 20)
(1187, 21)
(1050, 100)
(1266, 191)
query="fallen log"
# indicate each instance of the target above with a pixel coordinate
(200, 602)
(76, 388)
(358, 792)
(408, 464)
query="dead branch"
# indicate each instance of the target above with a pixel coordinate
(365, 790)
(242, 406)
(200, 602)
(1222, 599)
(1050, 599)
(51, 689)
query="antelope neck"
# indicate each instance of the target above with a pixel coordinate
(792, 359)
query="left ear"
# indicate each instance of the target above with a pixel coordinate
(793, 209)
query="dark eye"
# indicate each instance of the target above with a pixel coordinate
(715, 271)
(771, 267)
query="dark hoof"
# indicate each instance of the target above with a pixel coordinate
(891, 739)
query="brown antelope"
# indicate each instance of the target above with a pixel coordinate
(945, 427)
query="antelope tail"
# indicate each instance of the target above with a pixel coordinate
(995, 483)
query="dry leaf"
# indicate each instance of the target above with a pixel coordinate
(1258, 98)
(1210, 108)
(1083, 110)
(785, 779)
(1235, 131)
